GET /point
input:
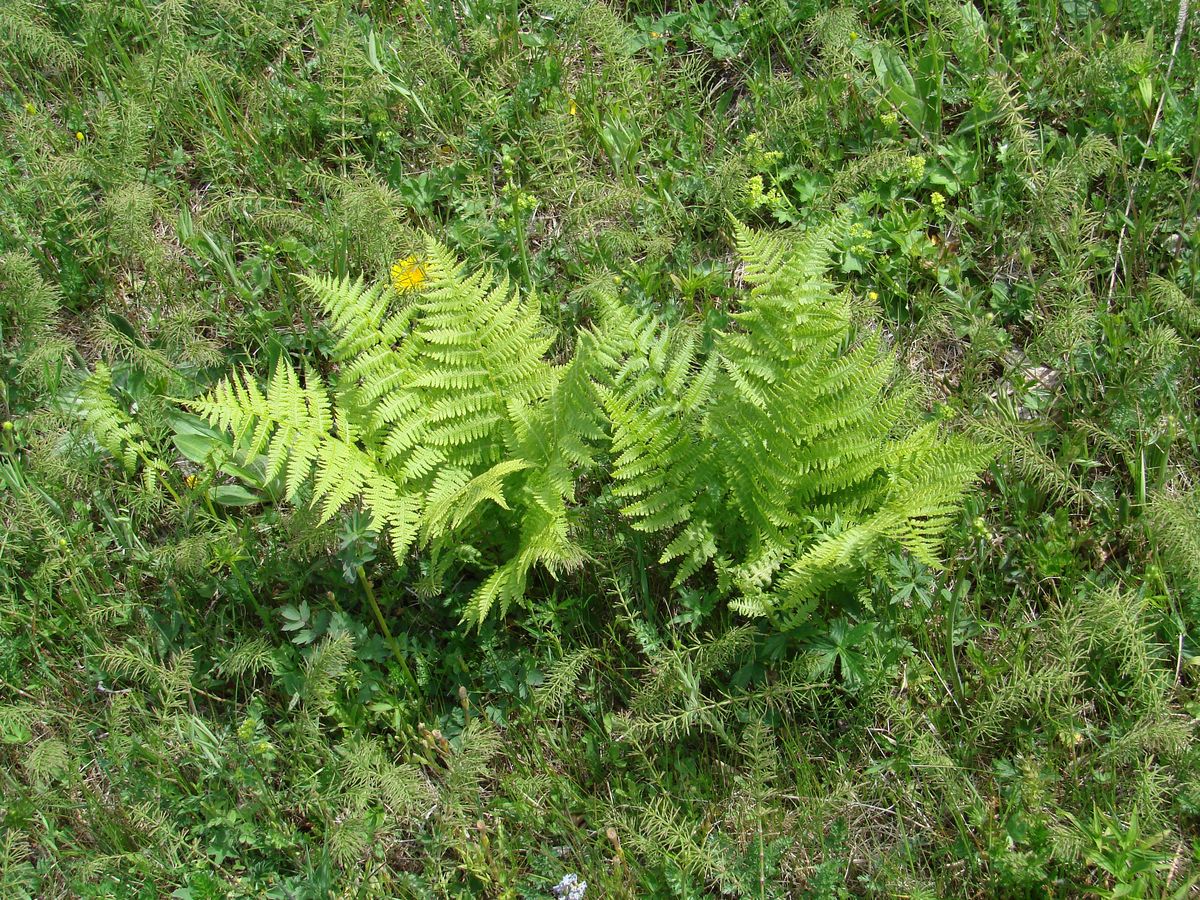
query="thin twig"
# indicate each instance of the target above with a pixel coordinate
(387, 632)
(1180, 25)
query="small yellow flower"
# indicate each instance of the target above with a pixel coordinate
(190, 481)
(572, 109)
(873, 295)
(656, 35)
(79, 135)
(407, 275)
(854, 35)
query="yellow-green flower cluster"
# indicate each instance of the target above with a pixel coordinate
(757, 194)
(757, 156)
(859, 234)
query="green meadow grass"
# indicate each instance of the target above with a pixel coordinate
(205, 693)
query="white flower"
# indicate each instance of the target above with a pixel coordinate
(570, 888)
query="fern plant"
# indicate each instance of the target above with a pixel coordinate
(116, 431)
(445, 421)
(777, 455)
(781, 455)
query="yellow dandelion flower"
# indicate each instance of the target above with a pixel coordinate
(407, 275)
(873, 295)
(190, 481)
(79, 135)
(572, 109)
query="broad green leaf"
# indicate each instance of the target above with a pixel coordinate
(234, 495)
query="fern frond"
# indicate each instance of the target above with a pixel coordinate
(500, 589)
(929, 477)
(112, 427)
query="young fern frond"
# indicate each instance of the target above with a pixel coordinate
(112, 427)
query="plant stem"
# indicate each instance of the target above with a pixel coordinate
(952, 617)
(387, 632)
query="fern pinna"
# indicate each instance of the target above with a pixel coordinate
(776, 455)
